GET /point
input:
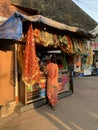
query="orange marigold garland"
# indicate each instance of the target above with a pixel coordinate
(31, 67)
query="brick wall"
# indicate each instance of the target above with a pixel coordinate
(6, 9)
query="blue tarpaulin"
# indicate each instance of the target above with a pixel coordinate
(12, 27)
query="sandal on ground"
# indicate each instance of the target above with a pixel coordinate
(53, 107)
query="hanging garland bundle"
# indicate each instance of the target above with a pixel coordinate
(31, 73)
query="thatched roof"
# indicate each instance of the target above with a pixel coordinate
(63, 11)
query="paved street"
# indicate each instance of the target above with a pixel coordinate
(76, 112)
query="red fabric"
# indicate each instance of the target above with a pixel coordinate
(31, 66)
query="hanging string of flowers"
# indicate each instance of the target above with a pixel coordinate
(31, 74)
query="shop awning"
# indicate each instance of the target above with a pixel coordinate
(12, 28)
(2, 19)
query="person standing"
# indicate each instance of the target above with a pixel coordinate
(97, 66)
(52, 82)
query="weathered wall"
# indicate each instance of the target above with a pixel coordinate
(6, 87)
(6, 69)
(6, 9)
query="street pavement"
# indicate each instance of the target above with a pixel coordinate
(76, 112)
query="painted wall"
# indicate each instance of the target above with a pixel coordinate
(6, 74)
(6, 85)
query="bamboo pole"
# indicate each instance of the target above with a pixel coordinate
(16, 75)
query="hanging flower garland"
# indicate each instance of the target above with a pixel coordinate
(31, 67)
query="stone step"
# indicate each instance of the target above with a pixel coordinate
(8, 108)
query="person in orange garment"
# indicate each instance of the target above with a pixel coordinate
(52, 82)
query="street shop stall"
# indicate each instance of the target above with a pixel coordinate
(32, 63)
(36, 38)
(45, 43)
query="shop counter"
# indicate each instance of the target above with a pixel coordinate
(31, 94)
